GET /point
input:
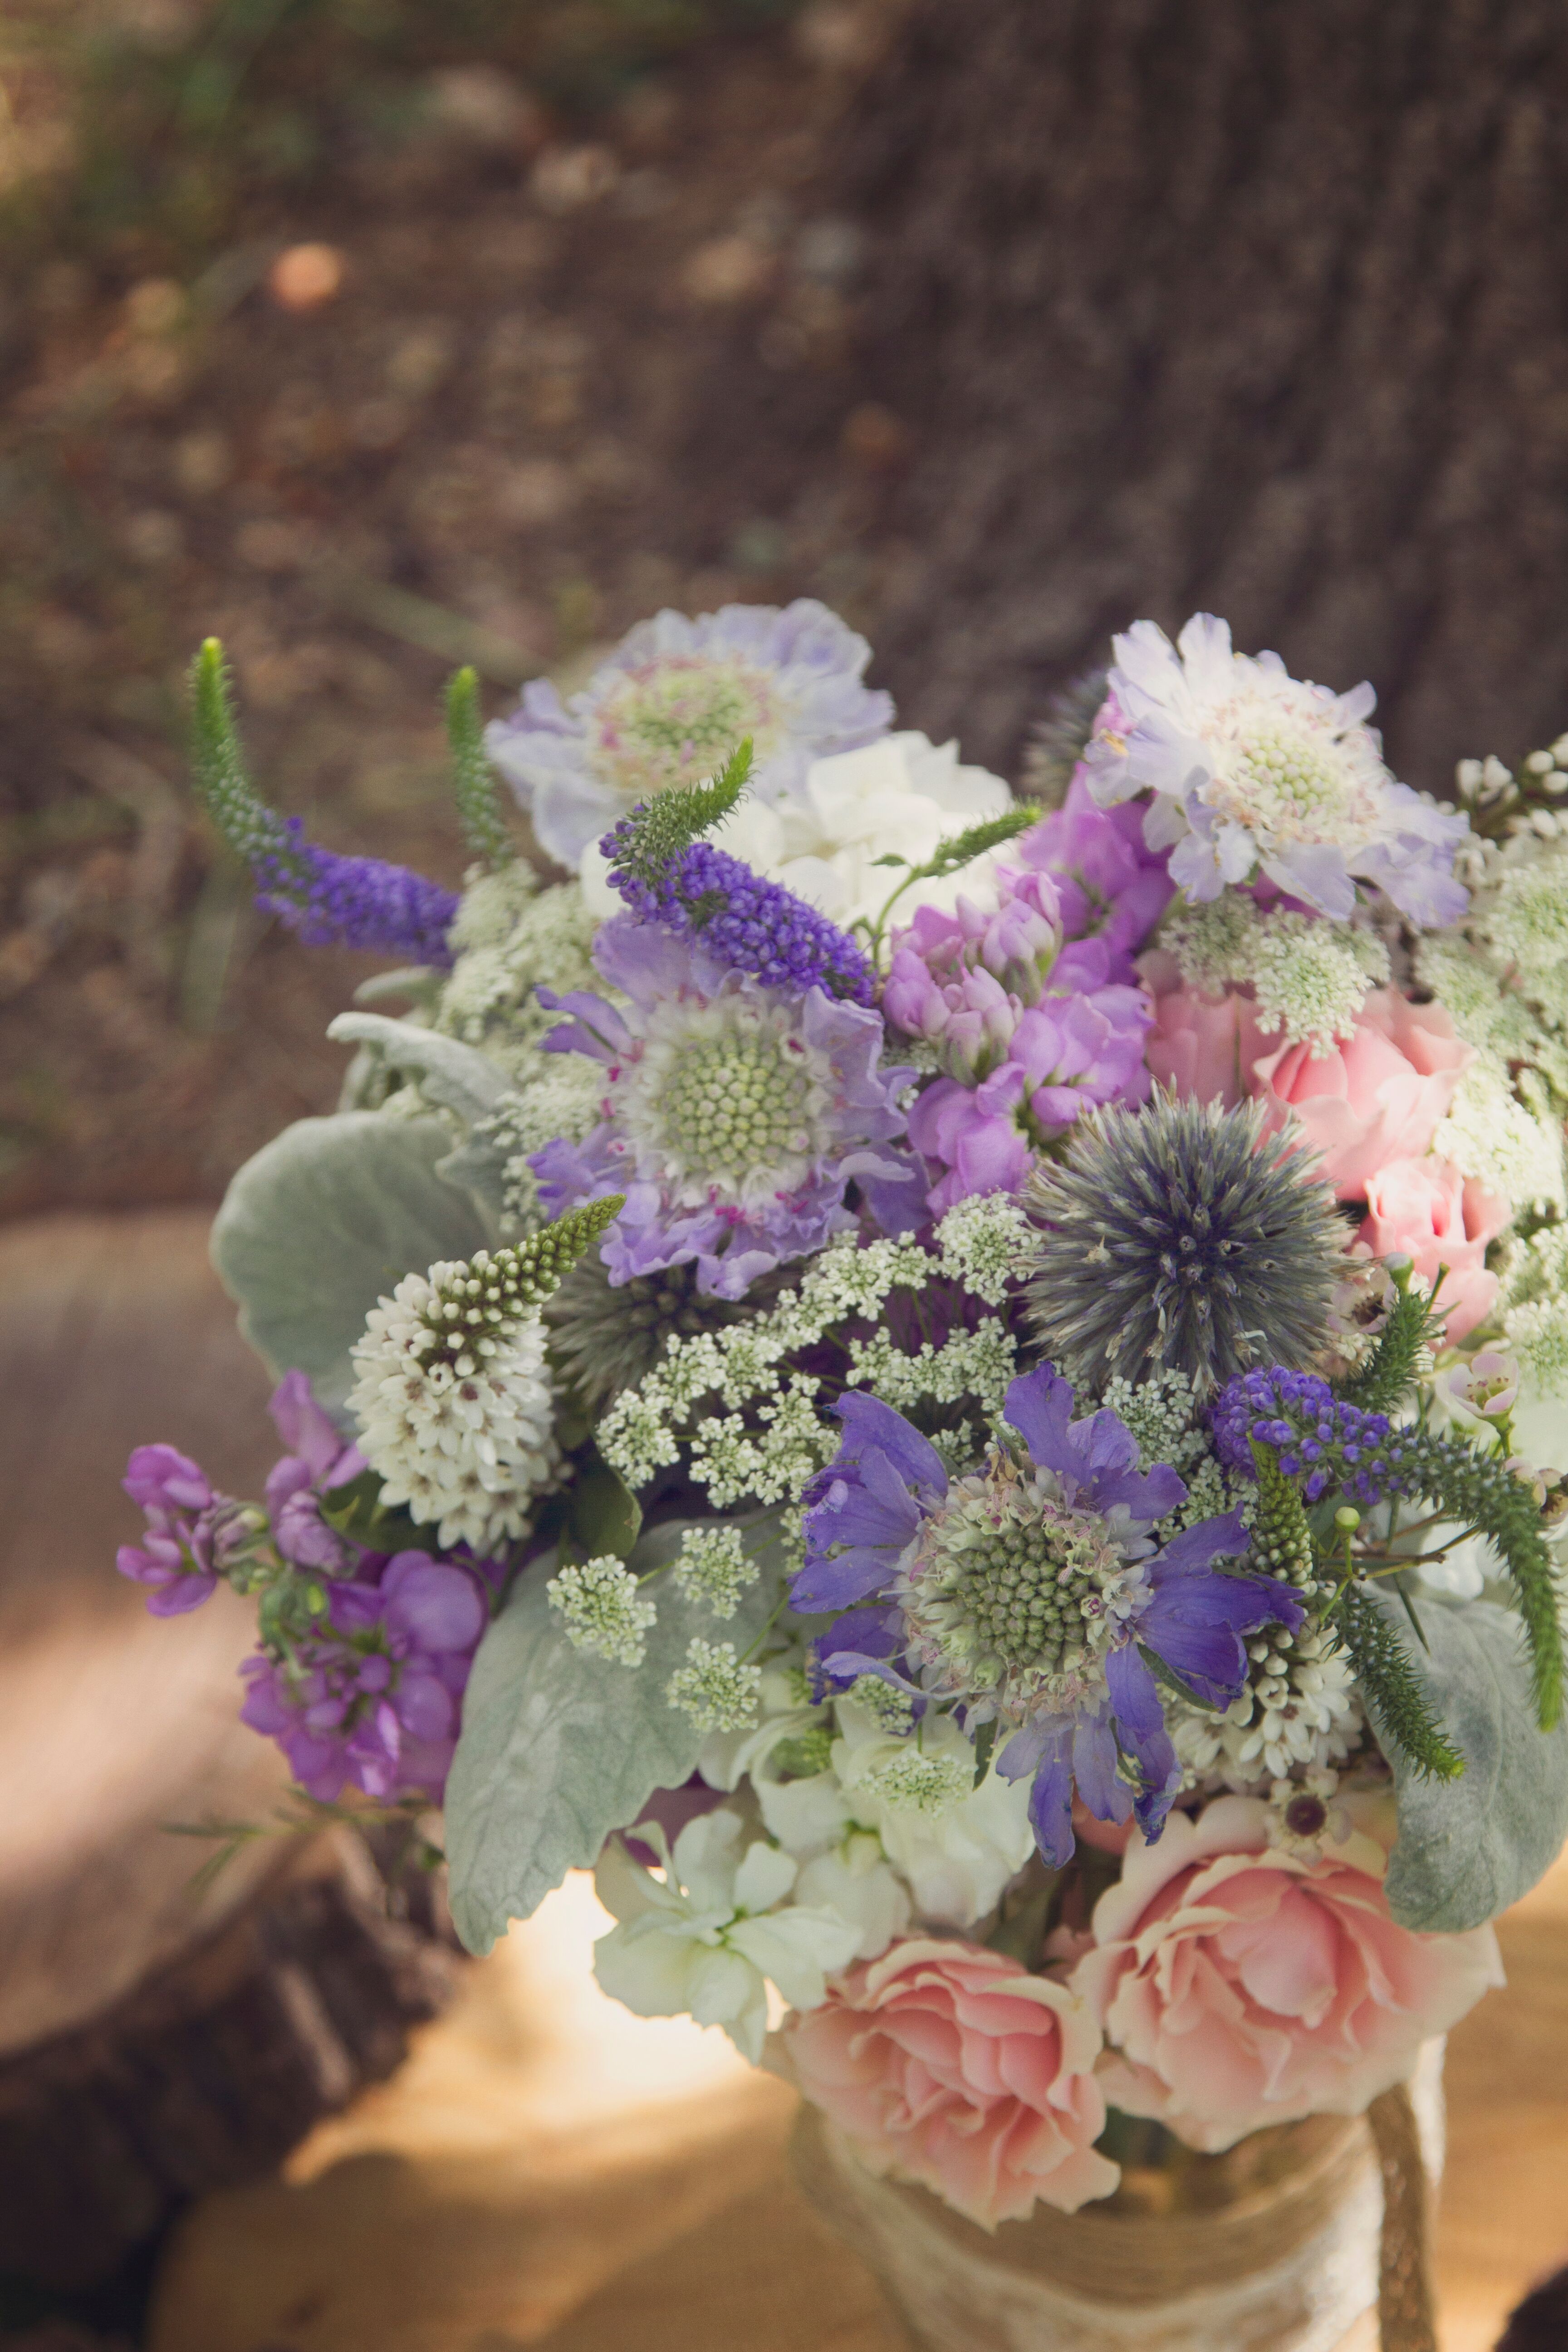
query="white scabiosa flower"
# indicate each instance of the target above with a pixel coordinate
(708, 1938)
(1253, 770)
(603, 1609)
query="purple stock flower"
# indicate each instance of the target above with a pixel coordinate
(1111, 886)
(320, 1458)
(174, 1561)
(1324, 1443)
(751, 925)
(372, 1700)
(1026, 1593)
(354, 902)
(671, 703)
(734, 1114)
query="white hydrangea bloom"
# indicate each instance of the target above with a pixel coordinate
(901, 796)
(466, 1446)
(604, 1612)
(708, 1938)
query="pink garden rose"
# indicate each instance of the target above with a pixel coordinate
(950, 2064)
(1243, 1986)
(1378, 1096)
(1437, 1217)
(1201, 1046)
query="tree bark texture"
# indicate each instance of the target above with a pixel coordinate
(1233, 305)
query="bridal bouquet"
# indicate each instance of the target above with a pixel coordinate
(962, 1392)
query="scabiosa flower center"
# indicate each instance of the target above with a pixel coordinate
(1011, 1591)
(1288, 780)
(730, 1096)
(675, 720)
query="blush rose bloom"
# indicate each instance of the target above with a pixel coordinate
(1241, 1986)
(1439, 1216)
(1378, 1096)
(1203, 1047)
(951, 2065)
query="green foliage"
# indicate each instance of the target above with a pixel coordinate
(603, 1515)
(1480, 1490)
(356, 1510)
(1394, 1692)
(456, 1076)
(324, 1218)
(473, 779)
(225, 789)
(1470, 1847)
(659, 829)
(975, 840)
(559, 1747)
(1388, 1373)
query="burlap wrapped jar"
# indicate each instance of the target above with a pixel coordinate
(1286, 2244)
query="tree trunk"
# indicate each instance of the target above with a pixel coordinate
(1230, 305)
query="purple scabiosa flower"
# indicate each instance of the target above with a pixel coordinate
(319, 1458)
(1328, 1445)
(1253, 770)
(670, 704)
(373, 1699)
(1110, 885)
(748, 924)
(1027, 1593)
(353, 902)
(734, 1114)
(185, 1516)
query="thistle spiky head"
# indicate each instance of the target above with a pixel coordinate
(1180, 1236)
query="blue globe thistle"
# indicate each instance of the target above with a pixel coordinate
(1180, 1237)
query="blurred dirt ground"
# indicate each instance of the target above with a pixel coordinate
(580, 344)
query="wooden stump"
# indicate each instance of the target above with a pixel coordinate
(154, 2041)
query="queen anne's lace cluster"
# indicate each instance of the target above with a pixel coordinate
(603, 1609)
(1309, 977)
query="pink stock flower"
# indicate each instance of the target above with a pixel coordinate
(951, 2065)
(1378, 1096)
(1437, 1217)
(1242, 1986)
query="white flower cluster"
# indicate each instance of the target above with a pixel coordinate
(1489, 1134)
(715, 1567)
(466, 1444)
(510, 935)
(768, 1435)
(1308, 977)
(1161, 1414)
(561, 1096)
(603, 1611)
(716, 1689)
(1298, 1711)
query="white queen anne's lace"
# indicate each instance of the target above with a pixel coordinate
(466, 1445)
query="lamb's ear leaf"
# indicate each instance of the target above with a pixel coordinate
(560, 1747)
(324, 1220)
(1470, 1847)
(458, 1077)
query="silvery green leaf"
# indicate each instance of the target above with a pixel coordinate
(1467, 1848)
(479, 1165)
(327, 1217)
(457, 1077)
(559, 1747)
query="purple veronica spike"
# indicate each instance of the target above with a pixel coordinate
(1028, 1592)
(1324, 1443)
(354, 902)
(745, 923)
(733, 1117)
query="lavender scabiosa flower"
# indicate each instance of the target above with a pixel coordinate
(751, 925)
(735, 1115)
(1180, 1239)
(1026, 1593)
(1029, 1032)
(1327, 1443)
(329, 901)
(1253, 770)
(672, 699)
(372, 1698)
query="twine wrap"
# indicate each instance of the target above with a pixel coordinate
(1275, 2246)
